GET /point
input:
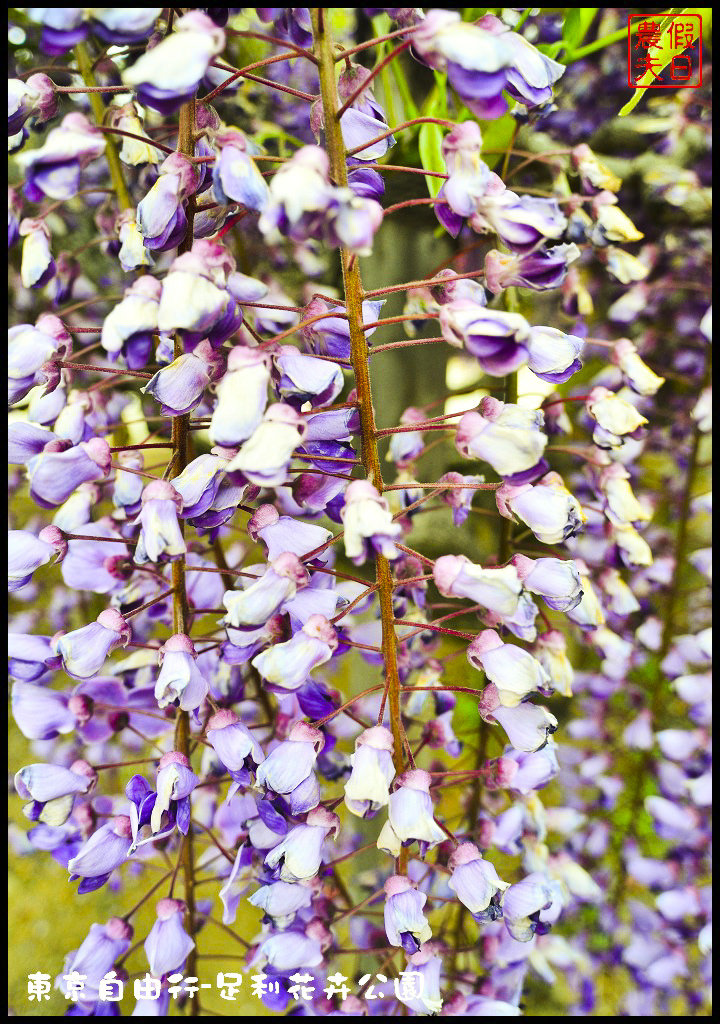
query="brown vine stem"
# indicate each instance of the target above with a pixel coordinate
(98, 108)
(181, 611)
(353, 292)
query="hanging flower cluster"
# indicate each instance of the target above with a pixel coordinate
(416, 766)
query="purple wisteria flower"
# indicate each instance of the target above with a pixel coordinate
(508, 437)
(286, 666)
(53, 170)
(129, 327)
(180, 386)
(514, 671)
(161, 218)
(234, 744)
(330, 335)
(547, 508)
(410, 815)
(236, 178)
(369, 525)
(160, 537)
(498, 340)
(61, 467)
(242, 397)
(288, 769)
(169, 74)
(180, 679)
(37, 266)
(476, 882)
(405, 923)
(368, 787)
(104, 851)
(364, 119)
(483, 59)
(95, 957)
(523, 903)
(52, 789)
(541, 270)
(26, 553)
(30, 348)
(84, 651)
(304, 204)
(168, 945)
(554, 579)
(496, 589)
(297, 857)
(35, 97)
(260, 600)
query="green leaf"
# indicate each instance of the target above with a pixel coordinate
(577, 22)
(497, 134)
(665, 52)
(550, 49)
(430, 139)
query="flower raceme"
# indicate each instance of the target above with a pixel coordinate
(230, 575)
